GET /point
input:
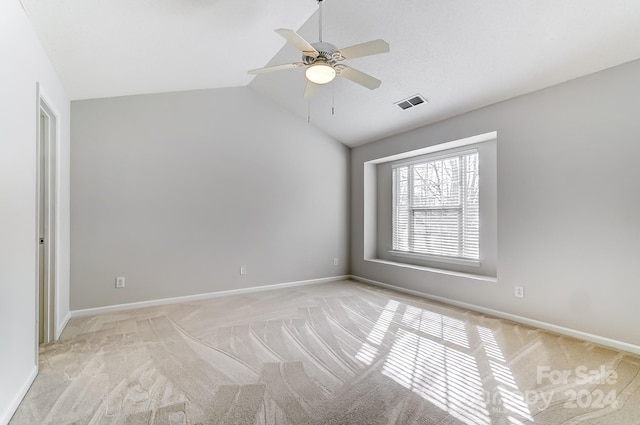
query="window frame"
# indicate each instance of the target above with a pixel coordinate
(424, 159)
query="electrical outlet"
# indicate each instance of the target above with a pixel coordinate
(120, 282)
(243, 269)
(335, 261)
(519, 291)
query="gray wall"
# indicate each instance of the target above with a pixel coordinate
(568, 205)
(23, 64)
(176, 191)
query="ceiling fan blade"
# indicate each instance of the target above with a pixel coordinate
(361, 78)
(310, 90)
(276, 67)
(292, 37)
(369, 48)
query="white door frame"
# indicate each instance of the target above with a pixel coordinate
(46, 173)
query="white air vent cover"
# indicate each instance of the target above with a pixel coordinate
(411, 101)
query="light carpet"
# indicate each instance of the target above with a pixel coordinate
(335, 353)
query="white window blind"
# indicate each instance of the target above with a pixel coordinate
(436, 206)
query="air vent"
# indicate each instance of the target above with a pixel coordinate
(410, 102)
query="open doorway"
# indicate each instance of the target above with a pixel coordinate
(47, 143)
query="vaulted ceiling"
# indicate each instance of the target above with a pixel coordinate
(459, 54)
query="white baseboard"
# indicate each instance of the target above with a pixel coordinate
(585, 336)
(174, 300)
(61, 327)
(7, 413)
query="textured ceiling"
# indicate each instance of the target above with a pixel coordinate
(106, 48)
(459, 54)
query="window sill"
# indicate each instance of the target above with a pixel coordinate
(480, 278)
(459, 261)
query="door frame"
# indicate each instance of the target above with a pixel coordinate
(49, 141)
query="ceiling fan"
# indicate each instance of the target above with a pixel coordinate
(323, 60)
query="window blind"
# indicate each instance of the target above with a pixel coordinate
(436, 206)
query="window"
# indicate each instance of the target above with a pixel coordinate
(446, 228)
(436, 206)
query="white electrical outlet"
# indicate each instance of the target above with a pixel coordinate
(243, 269)
(335, 261)
(120, 282)
(519, 291)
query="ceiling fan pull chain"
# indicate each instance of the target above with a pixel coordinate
(309, 112)
(333, 97)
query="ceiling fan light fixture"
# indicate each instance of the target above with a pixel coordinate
(320, 73)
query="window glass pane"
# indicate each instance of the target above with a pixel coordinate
(471, 233)
(443, 182)
(401, 209)
(437, 232)
(420, 194)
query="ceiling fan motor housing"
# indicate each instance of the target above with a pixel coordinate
(326, 54)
